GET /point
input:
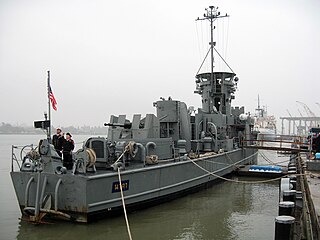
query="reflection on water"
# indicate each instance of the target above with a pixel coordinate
(225, 211)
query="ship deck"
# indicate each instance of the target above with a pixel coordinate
(140, 166)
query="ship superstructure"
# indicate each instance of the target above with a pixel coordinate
(264, 123)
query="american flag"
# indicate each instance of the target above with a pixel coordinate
(52, 99)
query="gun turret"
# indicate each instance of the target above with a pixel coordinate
(126, 125)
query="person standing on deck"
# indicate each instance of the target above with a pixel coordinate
(57, 141)
(68, 146)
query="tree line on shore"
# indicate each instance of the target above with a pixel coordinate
(7, 128)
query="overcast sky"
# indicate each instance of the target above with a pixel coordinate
(117, 57)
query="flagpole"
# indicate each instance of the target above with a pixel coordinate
(49, 108)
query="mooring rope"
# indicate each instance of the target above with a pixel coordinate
(235, 164)
(126, 149)
(262, 155)
(239, 181)
(124, 205)
(276, 163)
(266, 159)
(227, 164)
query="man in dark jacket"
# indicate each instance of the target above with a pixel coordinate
(68, 146)
(57, 141)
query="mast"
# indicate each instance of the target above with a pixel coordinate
(259, 109)
(211, 42)
(216, 95)
(211, 15)
(49, 107)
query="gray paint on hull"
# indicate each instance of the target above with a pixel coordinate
(80, 195)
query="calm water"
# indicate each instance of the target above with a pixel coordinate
(224, 211)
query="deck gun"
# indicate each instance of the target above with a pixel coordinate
(126, 125)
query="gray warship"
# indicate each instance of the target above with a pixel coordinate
(147, 159)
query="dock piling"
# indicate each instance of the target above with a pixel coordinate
(283, 227)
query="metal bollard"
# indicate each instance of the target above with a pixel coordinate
(292, 172)
(283, 227)
(293, 183)
(292, 168)
(292, 177)
(286, 208)
(284, 186)
(289, 195)
(299, 199)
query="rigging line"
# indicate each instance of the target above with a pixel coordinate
(222, 42)
(217, 40)
(198, 39)
(208, 37)
(223, 59)
(203, 61)
(223, 38)
(124, 205)
(245, 182)
(202, 45)
(227, 41)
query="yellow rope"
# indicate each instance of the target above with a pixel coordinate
(119, 158)
(124, 206)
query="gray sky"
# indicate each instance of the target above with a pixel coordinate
(115, 57)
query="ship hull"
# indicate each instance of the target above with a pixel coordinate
(83, 198)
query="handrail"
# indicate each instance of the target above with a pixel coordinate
(56, 194)
(26, 194)
(45, 181)
(14, 157)
(37, 201)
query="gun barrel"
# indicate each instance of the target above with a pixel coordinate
(125, 125)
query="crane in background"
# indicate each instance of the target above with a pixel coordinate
(309, 113)
(300, 112)
(303, 123)
(307, 109)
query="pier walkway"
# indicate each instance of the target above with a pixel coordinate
(309, 187)
(281, 143)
